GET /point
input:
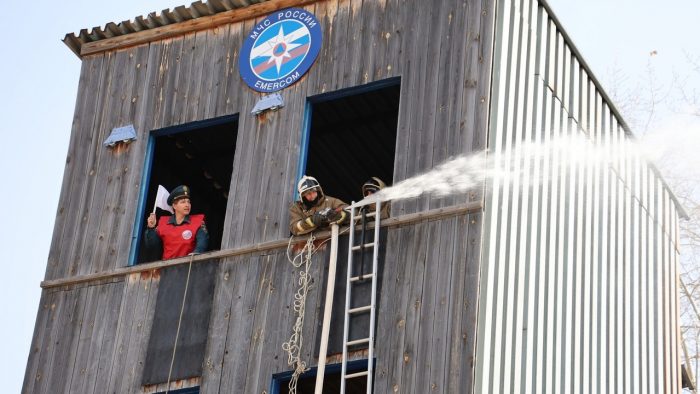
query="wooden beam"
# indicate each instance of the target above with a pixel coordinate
(177, 29)
(434, 214)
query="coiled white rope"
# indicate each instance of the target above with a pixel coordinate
(294, 345)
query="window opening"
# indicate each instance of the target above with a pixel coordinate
(331, 381)
(199, 155)
(351, 136)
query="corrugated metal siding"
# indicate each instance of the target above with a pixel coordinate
(578, 278)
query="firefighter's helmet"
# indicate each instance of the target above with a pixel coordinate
(307, 183)
(372, 185)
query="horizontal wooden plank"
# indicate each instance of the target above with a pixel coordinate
(404, 220)
(192, 25)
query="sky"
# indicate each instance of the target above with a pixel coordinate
(39, 81)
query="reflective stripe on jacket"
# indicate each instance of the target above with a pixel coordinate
(300, 219)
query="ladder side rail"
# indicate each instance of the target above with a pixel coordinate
(373, 303)
(348, 284)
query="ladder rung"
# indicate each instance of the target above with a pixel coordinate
(363, 277)
(357, 342)
(366, 246)
(356, 374)
(360, 309)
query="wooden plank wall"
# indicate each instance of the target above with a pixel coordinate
(441, 51)
(92, 338)
(426, 324)
(96, 336)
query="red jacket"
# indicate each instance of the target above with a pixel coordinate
(178, 240)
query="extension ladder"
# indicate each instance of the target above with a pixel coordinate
(353, 279)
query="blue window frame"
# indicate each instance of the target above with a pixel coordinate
(281, 380)
(365, 103)
(146, 189)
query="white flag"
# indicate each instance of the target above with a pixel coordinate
(162, 200)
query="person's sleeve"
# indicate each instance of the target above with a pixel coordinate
(338, 204)
(298, 224)
(152, 241)
(386, 209)
(202, 239)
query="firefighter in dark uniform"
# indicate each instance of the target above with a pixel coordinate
(180, 234)
(370, 187)
(314, 210)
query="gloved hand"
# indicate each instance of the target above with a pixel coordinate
(334, 215)
(319, 219)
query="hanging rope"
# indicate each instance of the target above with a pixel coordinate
(179, 323)
(294, 345)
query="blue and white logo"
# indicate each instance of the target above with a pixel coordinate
(280, 49)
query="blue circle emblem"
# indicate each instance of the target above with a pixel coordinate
(280, 49)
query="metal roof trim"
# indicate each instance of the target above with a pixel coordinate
(166, 17)
(574, 50)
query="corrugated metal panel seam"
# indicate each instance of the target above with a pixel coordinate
(578, 280)
(574, 50)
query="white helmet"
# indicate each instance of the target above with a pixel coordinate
(307, 183)
(373, 185)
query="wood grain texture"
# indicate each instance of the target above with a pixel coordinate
(144, 100)
(72, 206)
(185, 79)
(105, 341)
(134, 295)
(117, 176)
(45, 315)
(81, 135)
(228, 315)
(440, 51)
(252, 317)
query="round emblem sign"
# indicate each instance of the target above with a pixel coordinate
(187, 234)
(280, 49)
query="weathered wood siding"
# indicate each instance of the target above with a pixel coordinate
(97, 335)
(426, 320)
(578, 288)
(440, 50)
(93, 337)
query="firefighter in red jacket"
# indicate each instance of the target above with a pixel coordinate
(314, 210)
(180, 234)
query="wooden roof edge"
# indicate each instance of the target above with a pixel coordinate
(433, 214)
(198, 16)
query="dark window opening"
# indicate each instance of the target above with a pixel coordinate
(199, 155)
(331, 381)
(352, 137)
